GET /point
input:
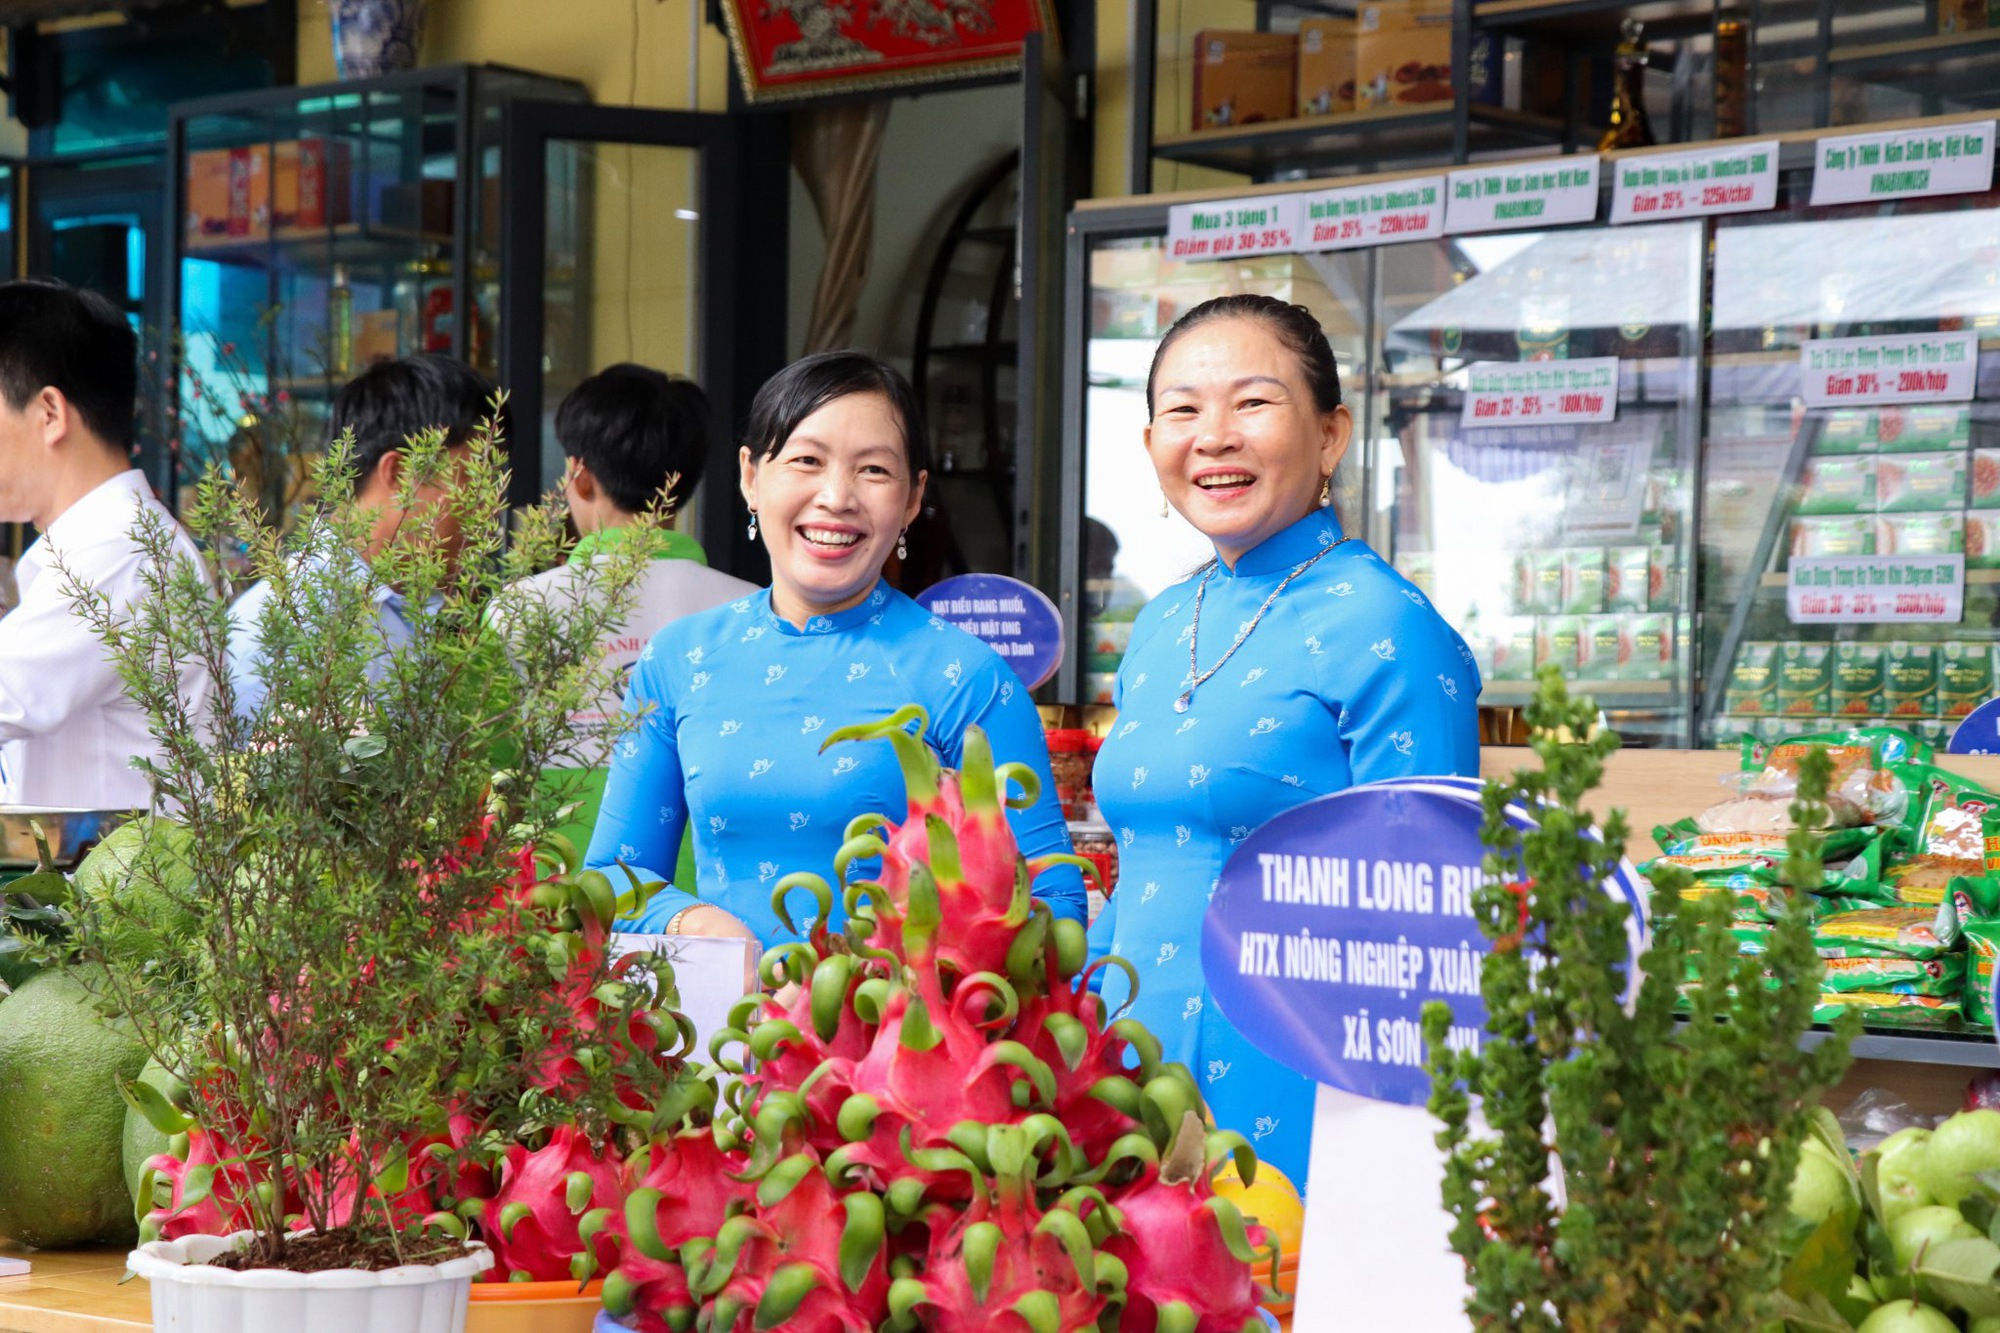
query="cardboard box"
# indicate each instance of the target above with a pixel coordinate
(1583, 581)
(1965, 678)
(1805, 679)
(1915, 430)
(1753, 681)
(208, 194)
(1920, 483)
(239, 192)
(1652, 639)
(1857, 680)
(1326, 67)
(1557, 642)
(1910, 679)
(1836, 485)
(1402, 54)
(1603, 648)
(1963, 15)
(1244, 77)
(311, 185)
(257, 194)
(1628, 578)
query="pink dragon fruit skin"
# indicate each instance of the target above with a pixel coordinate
(1186, 1252)
(532, 1221)
(679, 1190)
(221, 1211)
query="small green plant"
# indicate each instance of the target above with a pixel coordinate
(388, 971)
(1676, 1134)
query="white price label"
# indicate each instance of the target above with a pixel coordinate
(1266, 226)
(1904, 164)
(1540, 393)
(1404, 210)
(1547, 192)
(1875, 589)
(1894, 368)
(1656, 187)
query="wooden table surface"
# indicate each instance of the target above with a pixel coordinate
(73, 1291)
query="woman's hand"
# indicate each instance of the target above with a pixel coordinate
(711, 921)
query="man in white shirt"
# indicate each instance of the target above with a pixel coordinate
(385, 406)
(628, 435)
(68, 380)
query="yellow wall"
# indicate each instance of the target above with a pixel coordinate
(1172, 92)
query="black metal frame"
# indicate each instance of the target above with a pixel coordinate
(741, 248)
(462, 85)
(15, 242)
(1454, 132)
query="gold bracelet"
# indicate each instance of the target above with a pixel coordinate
(674, 921)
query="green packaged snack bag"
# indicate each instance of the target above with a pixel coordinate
(1924, 880)
(1886, 745)
(1880, 1010)
(1982, 948)
(1890, 975)
(1805, 679)
(1974, 898)
(1838, 486)
(1952, 823)
(1912, 932)
(1683, 840)
(1753, 681)
(1920, 483)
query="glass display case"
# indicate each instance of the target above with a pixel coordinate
(10, 239)
(318, 230)
(1651, 555)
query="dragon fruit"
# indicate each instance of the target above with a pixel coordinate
(943, 1126)
(206, 1184)
(549, 1218)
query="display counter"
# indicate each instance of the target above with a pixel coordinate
(1652, 549)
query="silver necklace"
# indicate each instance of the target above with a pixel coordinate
(1197, 678)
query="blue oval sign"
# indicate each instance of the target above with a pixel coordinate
(1013, 618)
(1979, 733)
(1337, 921)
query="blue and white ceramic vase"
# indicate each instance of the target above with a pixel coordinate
(373, 37)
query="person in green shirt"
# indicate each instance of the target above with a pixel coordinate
(631, 435)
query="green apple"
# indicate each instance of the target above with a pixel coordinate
(1933, 1224)
(1907, 1317)
(1899, 1172)
(1960, 1149)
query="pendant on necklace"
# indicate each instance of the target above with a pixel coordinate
(1185, 702)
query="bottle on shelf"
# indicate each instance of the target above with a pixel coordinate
(340, 324)
(1732, 73)
(1629, 127)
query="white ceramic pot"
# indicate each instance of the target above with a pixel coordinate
(191, 1295)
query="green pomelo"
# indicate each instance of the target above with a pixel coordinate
(1899, 1172)
(141, 1141)
(61, 1118)
(1960, 1149)
(1933, 1224)
(1825, 1192)
(1987, 1324)
(1907, 1317)
(139, 881)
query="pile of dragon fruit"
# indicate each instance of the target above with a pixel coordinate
(938, 1126)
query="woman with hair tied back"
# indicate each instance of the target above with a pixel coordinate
(1293, 664)
(734, 703)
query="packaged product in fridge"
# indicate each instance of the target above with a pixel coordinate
(1847, 431)
(1982, 540)
(1652, 640)
(1907, 430)
(1805, 679)
(1920, 483)
(1909, 680)
(1857, 679)
(1838, 486)
(1602, 648)
(1985, 485)
(1545, 570)
(1965, 677)
(1841, 535)
(1556, 641)
(1920, 534)
(1513, 647)
(1583, 581)
(1628, 578)
(1753, 681)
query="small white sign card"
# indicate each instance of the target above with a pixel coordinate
(1657, 187)
(1540, 393)
(1904, 164)
(1234, 227)
(1890, 368)
(1545, 192)
(1358, 215)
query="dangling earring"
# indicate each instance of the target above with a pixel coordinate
(753, 525)
(902, 545)
(1163, 504)
(1326, 491)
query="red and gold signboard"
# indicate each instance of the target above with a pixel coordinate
(794, 49)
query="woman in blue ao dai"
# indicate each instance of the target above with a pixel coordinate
(1294, 664)
(736, 702)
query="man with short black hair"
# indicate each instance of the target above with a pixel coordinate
(68, 383)
(385, 406)
(633, 438)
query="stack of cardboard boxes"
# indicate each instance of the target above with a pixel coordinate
(1393, 54)
(255, 192)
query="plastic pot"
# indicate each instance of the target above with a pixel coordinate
(533, 1307)
(190, 1295)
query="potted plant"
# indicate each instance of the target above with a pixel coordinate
(405, 1051)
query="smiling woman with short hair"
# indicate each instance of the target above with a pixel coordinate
(1293, 664)
(736, 702)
